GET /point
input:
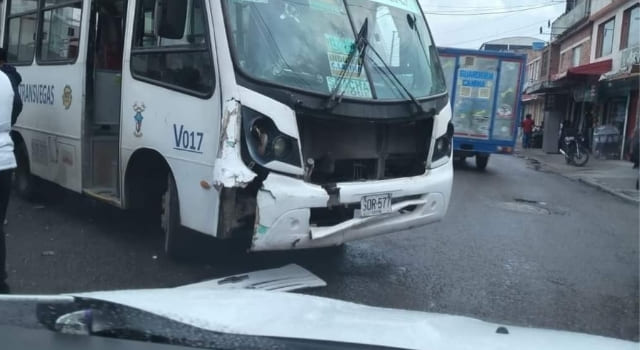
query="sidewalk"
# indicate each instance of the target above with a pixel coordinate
(613, 176)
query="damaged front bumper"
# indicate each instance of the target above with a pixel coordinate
(285, 203)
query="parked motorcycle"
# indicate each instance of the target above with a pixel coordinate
(536, 137)
(574, 150)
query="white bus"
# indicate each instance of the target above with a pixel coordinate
(291, 123)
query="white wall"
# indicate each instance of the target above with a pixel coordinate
(615, 55)
(597, 5)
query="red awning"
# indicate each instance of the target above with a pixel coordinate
(597, 68)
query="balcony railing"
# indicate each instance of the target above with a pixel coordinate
(569, 19)
(629, 57)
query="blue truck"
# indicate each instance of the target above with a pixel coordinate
(485, 88)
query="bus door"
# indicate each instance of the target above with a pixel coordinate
(104, 85)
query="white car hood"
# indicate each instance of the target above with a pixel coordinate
(277, 314)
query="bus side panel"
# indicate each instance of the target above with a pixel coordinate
(183, 128)
(173, 124)
(51, 121)
(198, 206)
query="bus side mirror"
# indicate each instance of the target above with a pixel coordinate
(172, 18)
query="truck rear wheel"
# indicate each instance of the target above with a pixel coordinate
(482, 161)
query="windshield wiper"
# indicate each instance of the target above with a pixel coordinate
(389, 73)
(360, 45)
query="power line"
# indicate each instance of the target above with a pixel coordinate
(466, 26)
(437, 8)
(494, 35)
(466, 7)
(467, 13)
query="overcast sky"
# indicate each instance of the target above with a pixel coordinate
(469, 23)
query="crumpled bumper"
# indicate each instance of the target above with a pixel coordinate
(284, 209)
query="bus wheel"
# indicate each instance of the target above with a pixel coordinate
(24, 181)
(482, 161)
(170, 220)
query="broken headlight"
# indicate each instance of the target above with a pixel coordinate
(265, 143)
(443, 148)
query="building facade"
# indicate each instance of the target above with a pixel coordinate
(616, 35)
(587, 75)
(534, 103)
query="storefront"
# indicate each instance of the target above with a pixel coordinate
(551, 107)
(619, 105)
(534, 105)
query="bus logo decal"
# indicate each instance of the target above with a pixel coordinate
(138, 108)
(67, 98)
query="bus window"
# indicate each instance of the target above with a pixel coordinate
(184, 63)
(110, 37)
(449, 68)
(60, 33)
(21, 31)
(21, 6)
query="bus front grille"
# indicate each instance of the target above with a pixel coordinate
(359, 150)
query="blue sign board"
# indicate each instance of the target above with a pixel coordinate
(538, 45)
(476, 74)
(475, 78)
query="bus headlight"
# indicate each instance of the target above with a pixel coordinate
(280, 147)
(265, 143)
(443, 148)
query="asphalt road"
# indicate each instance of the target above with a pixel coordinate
(518, 246)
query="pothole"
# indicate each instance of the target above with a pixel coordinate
(529, 201)
(534, 163)
(526, 206)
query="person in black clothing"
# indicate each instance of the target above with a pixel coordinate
(566, 129)
(5, 191)
(15, 79)
(634, 148)
(634, 152)
(7, 164)
(588, 129)
(7, 159)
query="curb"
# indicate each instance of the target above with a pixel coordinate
(608, 190)
(591, 183)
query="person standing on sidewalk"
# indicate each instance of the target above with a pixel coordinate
(7, 164)
(527, 129)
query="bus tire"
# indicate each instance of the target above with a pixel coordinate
(174, 243)
(25, 183)
(482, 161)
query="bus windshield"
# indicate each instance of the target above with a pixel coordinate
(306, 44)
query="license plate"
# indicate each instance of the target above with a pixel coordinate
(375, 204)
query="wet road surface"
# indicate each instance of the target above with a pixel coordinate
(518, 246)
